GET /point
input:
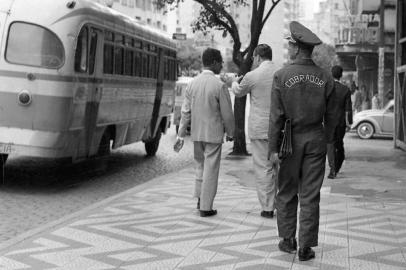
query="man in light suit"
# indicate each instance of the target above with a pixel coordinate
(207, 107)
(258, 83)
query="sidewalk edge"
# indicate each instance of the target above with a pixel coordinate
(48, 226)
(30, 233)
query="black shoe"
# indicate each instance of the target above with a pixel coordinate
(331, 175)
(198, 204)
(267, 214)
(208, 213)
(306, 254)
(288, 245)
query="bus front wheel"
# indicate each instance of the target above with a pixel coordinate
(104, 146)
(151, 147)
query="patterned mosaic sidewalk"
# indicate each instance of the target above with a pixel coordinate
(159, 228)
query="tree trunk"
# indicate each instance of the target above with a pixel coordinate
(240, 146)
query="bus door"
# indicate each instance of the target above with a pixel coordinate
(159, 91)
(88, 63)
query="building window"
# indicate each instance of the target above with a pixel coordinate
(149, 21)
(124, 2)
(131, 3)
(148, 5)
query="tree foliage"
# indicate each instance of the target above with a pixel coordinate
(189, 56)
(215, 15)
(325, 56)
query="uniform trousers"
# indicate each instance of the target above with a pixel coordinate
(264, 173)
(335, 151)
(207, 157)
(300, 179)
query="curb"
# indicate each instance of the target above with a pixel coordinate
(60, 221)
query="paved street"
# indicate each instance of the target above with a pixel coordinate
(37, 192)
(156, 226)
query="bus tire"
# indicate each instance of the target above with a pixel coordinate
(151, 147)
(104, 146)
(3, 159)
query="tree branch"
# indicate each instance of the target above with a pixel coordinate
(274, 4)
(214, 8)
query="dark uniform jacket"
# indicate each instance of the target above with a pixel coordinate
(305, 90)
(343, 102)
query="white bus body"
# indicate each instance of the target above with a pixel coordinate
(76, 75)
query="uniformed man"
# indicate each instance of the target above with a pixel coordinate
(342, 100)
(301, 92)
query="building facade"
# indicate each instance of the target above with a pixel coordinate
(365, 46)
(331, 17)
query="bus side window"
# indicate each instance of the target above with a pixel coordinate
(138, 64)
(119, 54)
(108, 53)
(138, 58)
(166, 68)
(92, 53)
(129, 57)
(81, 51)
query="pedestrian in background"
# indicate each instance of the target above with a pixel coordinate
(357, 101)
(258, 84)
(301, 92)
(207, 107)
(366, 101)
(376, 104)
(342, 100)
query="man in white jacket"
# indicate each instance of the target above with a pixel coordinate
(207, 107)
(258, 83)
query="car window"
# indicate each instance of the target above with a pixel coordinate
(389, 109)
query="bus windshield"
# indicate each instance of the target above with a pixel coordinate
(33, 45)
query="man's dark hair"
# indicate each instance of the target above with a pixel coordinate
(308, 49)
(264, 51)
(337, 72)
(210, 55)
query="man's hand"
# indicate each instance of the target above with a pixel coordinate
(274, 159)
(178, 144)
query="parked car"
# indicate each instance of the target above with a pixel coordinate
(375, 122)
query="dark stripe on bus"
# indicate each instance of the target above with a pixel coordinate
(61, 78)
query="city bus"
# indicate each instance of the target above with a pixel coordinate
(77, 78)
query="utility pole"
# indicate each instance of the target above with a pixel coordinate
(381, 54)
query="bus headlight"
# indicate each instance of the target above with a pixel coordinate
(24, 98)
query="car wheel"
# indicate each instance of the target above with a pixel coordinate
(365, 130)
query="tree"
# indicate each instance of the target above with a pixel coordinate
(325, 56)
(190, 57)
(215, 15)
